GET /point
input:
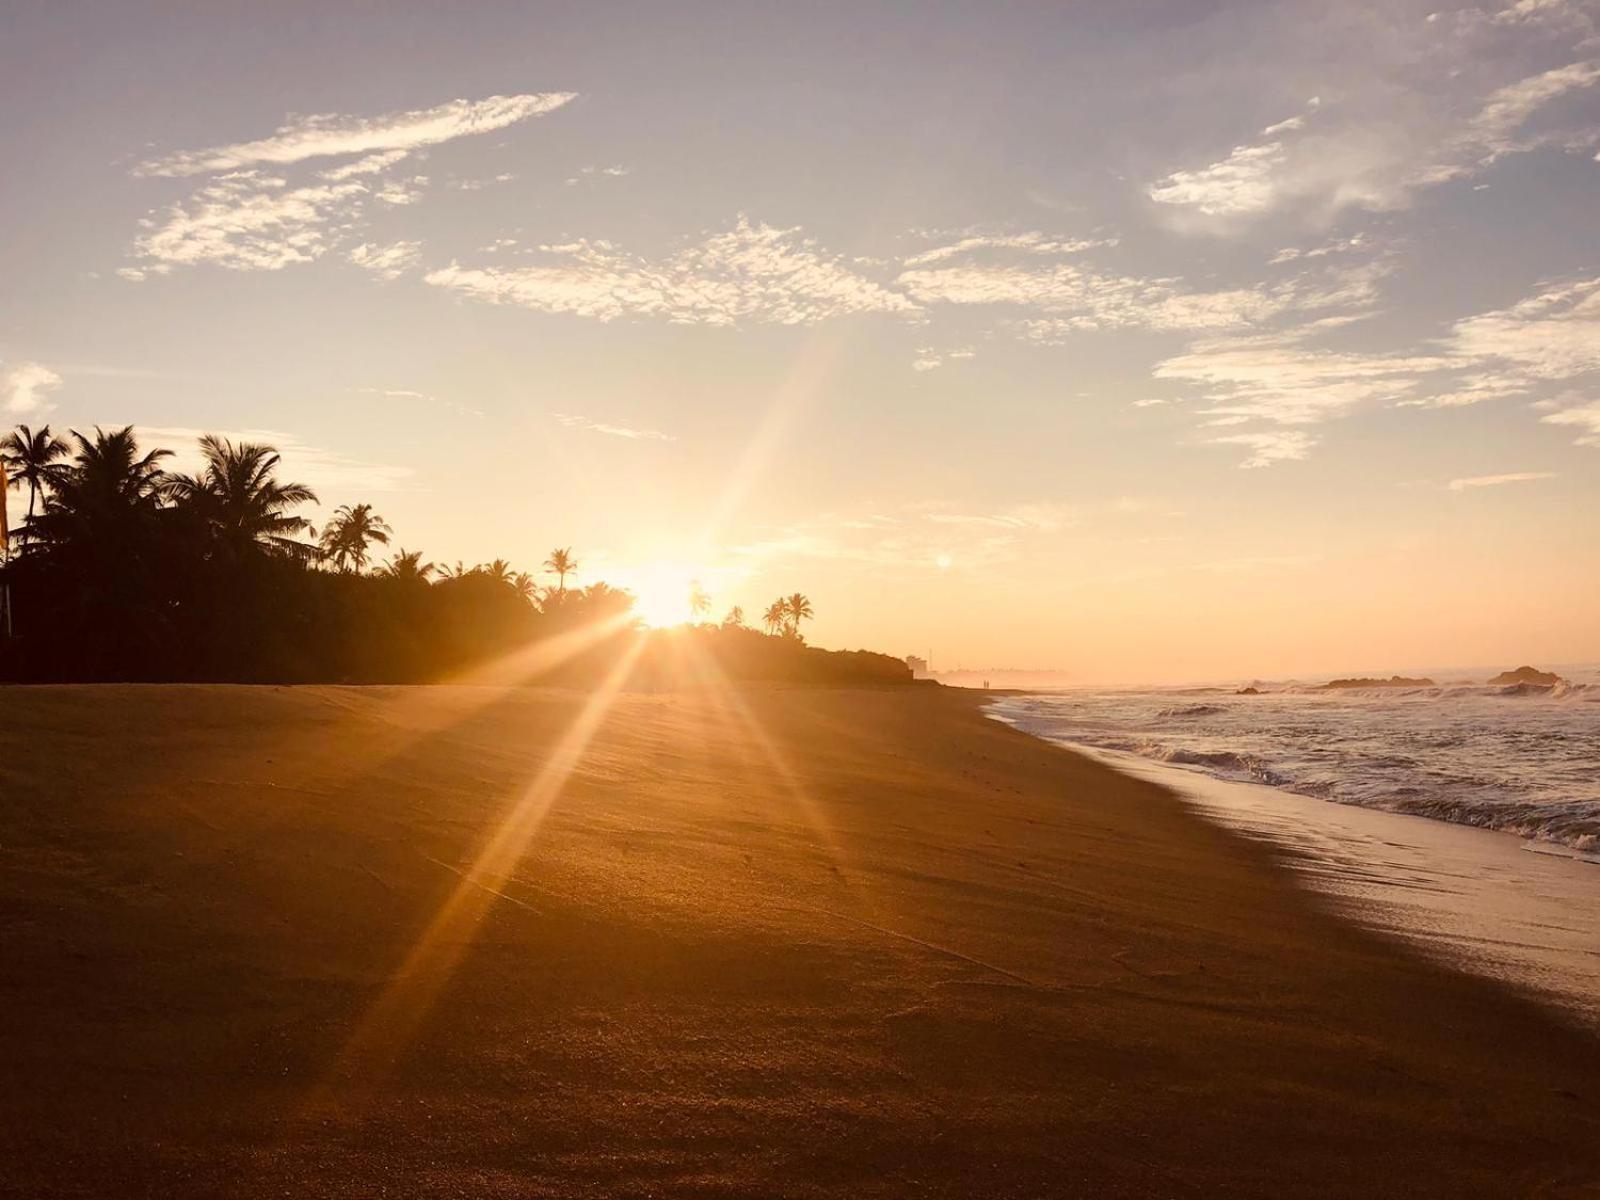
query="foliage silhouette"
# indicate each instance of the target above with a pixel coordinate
(126, 572)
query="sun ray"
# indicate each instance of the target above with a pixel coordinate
(392, 1020)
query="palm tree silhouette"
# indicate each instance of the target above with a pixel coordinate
(699, 602)
(499, 570)
(525, 586)
(798, 608)
(561, 564)
(776, 616)
(354, 528)
(407, 566)
(239, 499)
(29, 457)
(734, 619)
(99, 497)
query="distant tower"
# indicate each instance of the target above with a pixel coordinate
(918, 665)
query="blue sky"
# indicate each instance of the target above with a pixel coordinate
(1147, 340)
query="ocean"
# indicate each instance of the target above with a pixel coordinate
(1410, 809)
(1521, 759)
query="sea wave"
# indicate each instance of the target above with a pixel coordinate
(1518, 758)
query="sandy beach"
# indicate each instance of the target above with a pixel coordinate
(459, 942)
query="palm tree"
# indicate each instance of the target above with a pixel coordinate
(29, 456)
(240, 500)
(96, 499)
(699, 602)
(776, 616)
(798, 609)
(354, 528)
(525, 586)
(499, 570)
(459, 571)
(407, 566)
(561, 564)
(734, 619)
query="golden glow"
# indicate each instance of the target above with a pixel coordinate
(661, 592)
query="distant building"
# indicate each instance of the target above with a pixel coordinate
(919, 667)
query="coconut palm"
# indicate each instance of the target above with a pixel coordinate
(239, 499)
(459, 571)
(699, 601)
(798, 608)
(776, 616)
(103, 493)
(499, 570)
(525, 586)
(561, 564)
(347, 537)
(734, 619)
(29, 457)
(408, 567)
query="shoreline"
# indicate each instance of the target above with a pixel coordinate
(772, 941)
(1483, 901)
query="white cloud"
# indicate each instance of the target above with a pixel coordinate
(387, 262)
(1268, 447)
(1244, 182)
(372, 164)
(1483, 481)
(1031, 243)
(330, 134)
(752, 272)
(1286, 379)
(319, 468)
(24, 387)
(615, 172)
(1585, 418)
(248, 221)
(1552, 335)
(1067, 298)
(630, 432)
(1372, 159)
(931, 358)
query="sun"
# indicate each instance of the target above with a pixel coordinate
(661, 593)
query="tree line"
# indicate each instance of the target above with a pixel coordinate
(123, 569)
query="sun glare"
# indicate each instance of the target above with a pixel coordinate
(661, 593)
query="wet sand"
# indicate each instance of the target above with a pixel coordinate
(461, 942)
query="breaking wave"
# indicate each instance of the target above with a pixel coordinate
(1520, 758)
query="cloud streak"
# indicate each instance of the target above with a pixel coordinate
(753, 273)
(1485, 481)
(331, 135)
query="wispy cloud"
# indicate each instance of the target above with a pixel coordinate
(1483, 481)
(249, 222)
(331, 135)
(1287, 378)
(1029, 243)
(612, 172)
(1052, 295)
(257, 214)
(613, 429)
(24, 388)
(1585, 418)
(1337, 157)
(387, 262)
(1243, 182)
(1268, 447)
(752, 272)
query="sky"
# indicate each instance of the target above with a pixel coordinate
(1156, 340)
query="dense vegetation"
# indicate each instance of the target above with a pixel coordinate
(123, 570)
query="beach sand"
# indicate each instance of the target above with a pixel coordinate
(391, 942)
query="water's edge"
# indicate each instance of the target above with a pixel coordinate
(1472, 898)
